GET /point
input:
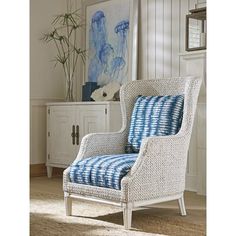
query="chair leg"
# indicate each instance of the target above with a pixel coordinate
(68, 204)
(182, 206)
(127, 215)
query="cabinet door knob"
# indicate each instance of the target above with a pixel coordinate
(77, 134)
(73, 134)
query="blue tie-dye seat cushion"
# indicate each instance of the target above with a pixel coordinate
(154, 116)
(103, 171)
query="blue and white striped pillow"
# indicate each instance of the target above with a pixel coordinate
(154, 116)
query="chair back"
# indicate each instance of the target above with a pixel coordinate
(188, 86)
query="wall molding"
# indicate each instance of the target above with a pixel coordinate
(43, 101)
(193, 55)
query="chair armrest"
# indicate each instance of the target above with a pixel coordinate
(159, 169)
(102, 144)
(98, 144)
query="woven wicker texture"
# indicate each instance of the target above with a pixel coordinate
(159, 170)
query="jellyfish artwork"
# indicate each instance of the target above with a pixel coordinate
(94, 70)
(121, 30)
(106, 56)
(119, 63)
(98, 32)
(108, 60)
(97, 40)
(117, 74)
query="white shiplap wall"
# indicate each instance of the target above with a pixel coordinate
(162, 36)
(161, 39)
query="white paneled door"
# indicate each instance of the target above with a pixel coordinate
(92, 119)
(63, 148)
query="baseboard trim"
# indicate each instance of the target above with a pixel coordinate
(37, 170)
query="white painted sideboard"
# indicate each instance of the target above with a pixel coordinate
(195, 64)
(68, 123)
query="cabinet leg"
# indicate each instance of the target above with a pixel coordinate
(49, 171)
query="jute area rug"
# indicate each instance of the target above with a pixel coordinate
(47, 217)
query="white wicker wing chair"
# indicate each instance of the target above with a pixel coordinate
(158, 174)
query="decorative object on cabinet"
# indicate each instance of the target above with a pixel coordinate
(64, 35)
(87, 90)
(106, 93)
(68, 123)
(111, 40)
(196, 29)
(158, 173)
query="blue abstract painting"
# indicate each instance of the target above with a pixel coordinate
(107, 35)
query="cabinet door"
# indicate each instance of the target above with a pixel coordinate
(91, 119)
(61, 148)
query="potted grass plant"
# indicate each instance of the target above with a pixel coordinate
(64, 36)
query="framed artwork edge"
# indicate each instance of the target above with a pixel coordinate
(132, 41)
